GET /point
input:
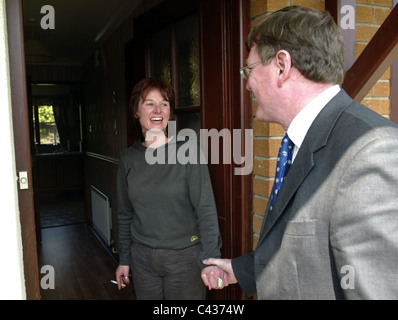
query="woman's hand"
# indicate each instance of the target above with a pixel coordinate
(122, 276)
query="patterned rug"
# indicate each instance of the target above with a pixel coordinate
(62, 211)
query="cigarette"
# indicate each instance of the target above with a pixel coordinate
(115, 282)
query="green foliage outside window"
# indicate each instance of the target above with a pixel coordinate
(48, 128)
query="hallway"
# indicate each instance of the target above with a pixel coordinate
(82, 266)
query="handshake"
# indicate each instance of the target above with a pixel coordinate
(219, 273)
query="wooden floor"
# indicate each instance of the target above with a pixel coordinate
(83, 268)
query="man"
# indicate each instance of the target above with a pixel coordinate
(332, 232)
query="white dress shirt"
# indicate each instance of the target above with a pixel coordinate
(303, 121)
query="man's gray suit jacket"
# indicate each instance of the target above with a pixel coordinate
(333, 231)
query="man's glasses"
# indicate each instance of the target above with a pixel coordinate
(246, 71)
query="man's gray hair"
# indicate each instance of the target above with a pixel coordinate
(312, 38)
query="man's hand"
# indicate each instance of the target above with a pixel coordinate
(218, 269)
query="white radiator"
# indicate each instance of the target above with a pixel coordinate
(101, 214)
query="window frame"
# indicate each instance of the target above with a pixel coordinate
(37, 126)
(174, 63)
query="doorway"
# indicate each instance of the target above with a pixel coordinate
(56, 135)
(223, 104)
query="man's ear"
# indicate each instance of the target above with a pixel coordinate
(284, 63)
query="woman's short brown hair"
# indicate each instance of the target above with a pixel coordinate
(142, 88)
(312, 38)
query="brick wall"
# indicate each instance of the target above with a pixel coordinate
(370, 16)
(267, 136)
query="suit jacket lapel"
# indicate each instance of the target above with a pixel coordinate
(316, 138)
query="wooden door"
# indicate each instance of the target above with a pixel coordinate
(22, 145)
(224, 102)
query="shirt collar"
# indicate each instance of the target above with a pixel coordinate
(303, 121)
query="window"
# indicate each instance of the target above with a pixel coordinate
(187, 34)
(175, 57)
(45, 128)
(55, 118)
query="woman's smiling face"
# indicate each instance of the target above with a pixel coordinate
(153, 112)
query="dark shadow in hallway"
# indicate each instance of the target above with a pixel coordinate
(62, 210)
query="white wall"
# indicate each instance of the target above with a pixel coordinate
(12, 284)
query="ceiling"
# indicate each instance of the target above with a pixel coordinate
(80, 25)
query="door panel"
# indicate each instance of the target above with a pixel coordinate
(226, 105)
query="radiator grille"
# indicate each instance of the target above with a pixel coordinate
(101, 215)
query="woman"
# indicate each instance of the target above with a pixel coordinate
(167, 214)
